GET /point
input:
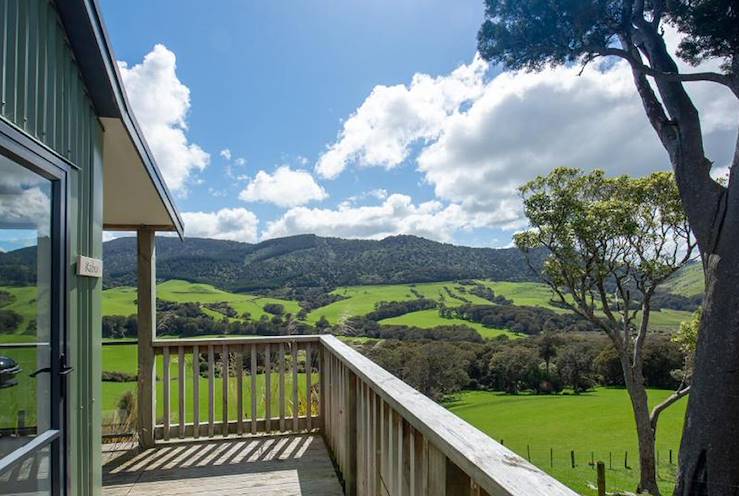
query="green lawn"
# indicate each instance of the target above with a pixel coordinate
(667, 319)
(121, 301)
(431, 318)
(599, 422)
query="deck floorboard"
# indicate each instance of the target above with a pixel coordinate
(296, 465)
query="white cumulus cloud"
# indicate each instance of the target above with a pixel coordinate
(237, 224)
(392, 118)
(225, 153)
(478, 139)
(285, 188)
(397, 214)
(161, 102)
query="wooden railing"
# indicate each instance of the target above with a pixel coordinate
(385, 437)
(282, 395)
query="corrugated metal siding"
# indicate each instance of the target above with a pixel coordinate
(41, 88)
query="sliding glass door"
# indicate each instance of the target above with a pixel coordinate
(32, 368)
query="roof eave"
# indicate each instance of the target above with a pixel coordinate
(85, 29)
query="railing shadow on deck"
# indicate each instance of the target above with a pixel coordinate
(229, 464)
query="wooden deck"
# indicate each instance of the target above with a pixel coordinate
(264, 466)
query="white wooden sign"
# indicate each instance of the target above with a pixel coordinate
(89, 267)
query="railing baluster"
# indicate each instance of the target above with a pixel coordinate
(374, 444)
(211, 392)
(367, 417)
(296, 398)
(239, 371)
(224, 376)
(425, 477)
(282, 387)
(181, 382)
(399, 480)
(165, 392)
(195, 391)
(267, 388)
(383, 447)
(436, 471)
(308, 386)
(390, 472)
(412, 461)
(254, 389)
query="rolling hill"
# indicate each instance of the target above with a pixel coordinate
(296, 261)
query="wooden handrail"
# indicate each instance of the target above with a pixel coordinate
(301, 338)
(489, 465)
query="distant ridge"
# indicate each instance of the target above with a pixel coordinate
(297, 261)
(309, 260)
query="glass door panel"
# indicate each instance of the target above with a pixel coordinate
(28, 393)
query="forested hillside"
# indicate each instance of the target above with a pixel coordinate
(297, 261)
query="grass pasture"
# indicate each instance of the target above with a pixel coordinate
(121, 301)
(599, 422)
(431, 318)
(688, 281)
(360, 300)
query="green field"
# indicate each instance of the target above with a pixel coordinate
(360, 300)
(430, 318)
(121, 301)
(599, 422)
(688, 281)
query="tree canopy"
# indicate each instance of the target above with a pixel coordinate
(531, 34)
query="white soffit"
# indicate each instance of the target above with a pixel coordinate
(129, 195)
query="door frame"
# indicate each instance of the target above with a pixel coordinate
(40, 159)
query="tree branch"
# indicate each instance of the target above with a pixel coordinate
(654, 416)
(638, 65)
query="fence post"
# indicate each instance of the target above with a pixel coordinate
(551, 457)
(601, 479)
(572, 458)
(626, 459)
(528, 452)
(670, 456)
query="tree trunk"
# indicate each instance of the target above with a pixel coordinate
(709, 453)
(644, 432)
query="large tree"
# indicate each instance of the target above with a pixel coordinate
(532, 34)
(611, 242)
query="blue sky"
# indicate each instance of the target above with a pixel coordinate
(365, 119)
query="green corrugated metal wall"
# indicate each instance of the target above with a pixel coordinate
(41, 87)
(43, 94)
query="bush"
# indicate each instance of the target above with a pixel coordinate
(515, 369)
(9, 320)
(388, 309)
(574, 364)
(118, 377)
(274, 308)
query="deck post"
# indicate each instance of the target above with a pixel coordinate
(146, 298)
